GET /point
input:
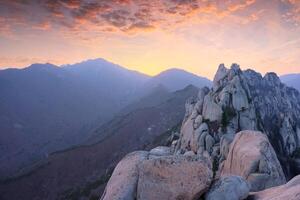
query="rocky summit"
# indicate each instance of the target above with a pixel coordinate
(239, 139)
(243, 100)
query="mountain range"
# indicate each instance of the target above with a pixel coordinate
(46, 108)
(145, 126)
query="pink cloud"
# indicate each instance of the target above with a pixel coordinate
(121, 14)
(128, 16)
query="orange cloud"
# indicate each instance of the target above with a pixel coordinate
(123, 15)
(240, 6)
(43, 26)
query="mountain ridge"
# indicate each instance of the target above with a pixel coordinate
(53, 102)
(107, 145)
(45, 108)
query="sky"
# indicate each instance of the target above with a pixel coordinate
(154, 35)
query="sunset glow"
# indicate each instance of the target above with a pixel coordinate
(151, 36)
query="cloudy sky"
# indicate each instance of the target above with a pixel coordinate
(154, 35)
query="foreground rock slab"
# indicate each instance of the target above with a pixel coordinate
(288, 191)
(252, 157)
(229, 188)
(123, 182)
(173, 177)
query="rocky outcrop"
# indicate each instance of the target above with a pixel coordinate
(229, 188)
(278, 114)
(226, 109)
(173, 177)
(252, 157)
(288, 191)
(123, 182)
(243, 100)
(153, 175)
(234, 133)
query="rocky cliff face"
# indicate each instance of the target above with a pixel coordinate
(242, 128)
(243, 100)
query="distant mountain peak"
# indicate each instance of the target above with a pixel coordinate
(173, 70)
(175, 79)
(96, 61)
(42, 66)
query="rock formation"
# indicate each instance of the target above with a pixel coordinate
(288, 191)
(173, 177)
(243, 100)
(123, 182)
(153, 175)
(252, 157)
(238, 130)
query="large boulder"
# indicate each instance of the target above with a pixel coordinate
(229, 188)
(252, 157)
(288, 191)
(173, 177)
(123, 182)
